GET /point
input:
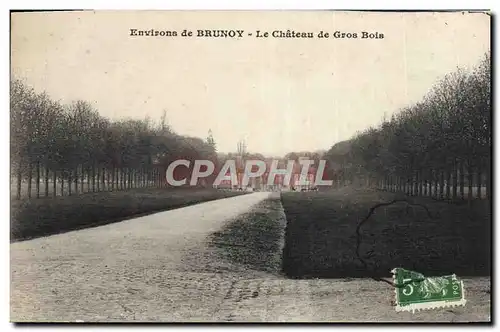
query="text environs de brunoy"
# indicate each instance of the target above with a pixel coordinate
(282, 34)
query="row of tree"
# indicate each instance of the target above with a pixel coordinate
(442, 143)
(66, 143)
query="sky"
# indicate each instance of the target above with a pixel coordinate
(278, 94)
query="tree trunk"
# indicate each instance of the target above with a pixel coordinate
(19, 180)
(416, 185)
(37, 179)
(409, 185)
(488, 180)
(430, 182)
(455, 180)
(435, 184)
(424, 192)
(441, 184)
(98, 174)
(161, 177)
(470, 177)
(448, 183)
(479, 176)
(462, 180)
(30, 178)
(70, 181)
(125, 171)
(62, 182)
(54, 183)
(103, 179)
(76, 180)
(82, 178)
(427, 183)
(46, 181)
(93, 178)
(421, 183)
(153, 177)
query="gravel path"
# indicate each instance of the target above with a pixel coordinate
(162, 268)
(152, 268)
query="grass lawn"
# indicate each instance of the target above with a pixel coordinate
(254, 239)
(321, 235)
(46, 216)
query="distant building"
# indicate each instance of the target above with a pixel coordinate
(260, 183)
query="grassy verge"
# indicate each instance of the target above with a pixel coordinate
(254, 239)
(46, 216)
(321, 235)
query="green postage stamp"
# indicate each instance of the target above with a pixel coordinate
(420, 292)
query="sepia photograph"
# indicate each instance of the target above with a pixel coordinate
(283, 166)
